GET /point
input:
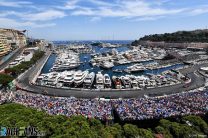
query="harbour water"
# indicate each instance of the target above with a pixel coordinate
(85, 58)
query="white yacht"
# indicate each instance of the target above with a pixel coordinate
(136, 68)
(107, 81)
(52, 78)
(79, 77)
(134, 84)
(99, 81)
(66, 61)
(88, 81)
(126, 81)
(107, 65)
(68, 78)
(39, 80)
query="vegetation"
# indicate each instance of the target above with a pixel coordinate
(15, 115)
(16, 70)
(5, 79)
(177, 37)
(13, 72)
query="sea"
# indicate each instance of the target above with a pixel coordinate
(85, 58)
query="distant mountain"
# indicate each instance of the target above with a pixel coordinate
(177, 37)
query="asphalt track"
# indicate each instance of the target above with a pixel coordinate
(13, 57)
(24, 83)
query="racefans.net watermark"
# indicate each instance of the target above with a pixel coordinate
(21, 131)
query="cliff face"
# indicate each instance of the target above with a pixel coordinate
(197, 38)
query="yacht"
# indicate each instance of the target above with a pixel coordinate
(52, 78)
(88, 81)
(118, 70)
(79, 77)
(107, 81)
(135, 68)
(68, 78)
(134, 83)
(99, 81)
(126, 81)
(107, 65)
(39, 80)
(117, 82)
(66, 61)
(60, 80)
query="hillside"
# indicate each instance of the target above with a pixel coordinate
(15, 115)
(177, 37)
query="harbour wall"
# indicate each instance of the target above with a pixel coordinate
(36, 73)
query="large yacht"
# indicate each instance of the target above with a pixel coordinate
(79, 77)
(126, 81)
(88, 81)
(69, 78)
(117, 82)
(66, 61)
(134, 82)
(135, 68)
(107, 81)
(52, 78)
(99, 81)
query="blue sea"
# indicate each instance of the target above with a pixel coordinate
(87, 57)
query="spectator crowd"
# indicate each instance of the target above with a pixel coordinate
(192, 102)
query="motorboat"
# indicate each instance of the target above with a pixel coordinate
(117, 82)
(118, 70)
(126, 81)
(107, 81)
(79, 77)
(135, 68)
(99, 81)
(88, 81)
(107, 65)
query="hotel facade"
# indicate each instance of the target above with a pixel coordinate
(11, 39)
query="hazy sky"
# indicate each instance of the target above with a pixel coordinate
(102, 19)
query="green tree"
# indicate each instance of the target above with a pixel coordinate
(131, 130)
(5, 79)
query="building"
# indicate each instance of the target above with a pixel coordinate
(4, 46)
(40, 43)
(15, 38)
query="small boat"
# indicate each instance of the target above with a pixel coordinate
(88, 81)
(107, 81)
(99, 81)
(118, 70)
(106, 65)
(117, 82)
(79, 77)
(126, 81)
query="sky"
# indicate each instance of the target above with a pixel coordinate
(102, 19)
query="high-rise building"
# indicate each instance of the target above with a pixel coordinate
(15, 38)
(4, 46)
(11, 39)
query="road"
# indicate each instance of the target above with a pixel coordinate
(12, 58)
(24, 83)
